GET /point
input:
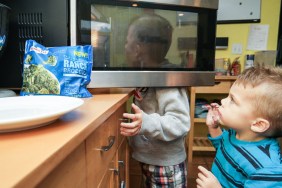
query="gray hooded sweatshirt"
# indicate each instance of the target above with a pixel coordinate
(165, 123)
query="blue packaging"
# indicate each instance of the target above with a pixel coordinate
(62, 70)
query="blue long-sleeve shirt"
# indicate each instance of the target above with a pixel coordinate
(246, 164)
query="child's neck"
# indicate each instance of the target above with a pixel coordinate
(249, 137)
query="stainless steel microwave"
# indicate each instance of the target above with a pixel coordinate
(104, 25)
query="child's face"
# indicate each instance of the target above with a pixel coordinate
(130, 48)
(237, 110)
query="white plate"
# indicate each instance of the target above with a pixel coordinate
(27, 112)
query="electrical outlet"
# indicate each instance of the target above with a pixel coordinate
(236, 48)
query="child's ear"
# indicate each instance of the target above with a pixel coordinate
(260, 125)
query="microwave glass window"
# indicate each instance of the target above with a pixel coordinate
(109, 26)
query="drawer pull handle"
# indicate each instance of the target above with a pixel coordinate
(111, 140)
(122, 184)
(116, 171)
(121, 163)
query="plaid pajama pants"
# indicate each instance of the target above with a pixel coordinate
(164, 176)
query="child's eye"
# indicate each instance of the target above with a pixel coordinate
(231, 100)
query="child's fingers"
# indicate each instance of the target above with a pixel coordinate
(199, 182)
(201, 176)
(134, 116)
(204, 171)
(129, 116)
(211, 118)
(214, 105)
(129, 131)
(136, 108)
(215, 119)
(206, 106)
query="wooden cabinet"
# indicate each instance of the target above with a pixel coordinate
(102, 160)
(123, 165)
(100, 150)
(196, 143)
(106, 155)
(70, 173)
(108, 180)
(67, 153)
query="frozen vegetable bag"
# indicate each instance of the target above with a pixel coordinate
(62, 70)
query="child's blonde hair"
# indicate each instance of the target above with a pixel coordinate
(268, 104)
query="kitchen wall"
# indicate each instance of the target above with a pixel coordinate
(238, 33)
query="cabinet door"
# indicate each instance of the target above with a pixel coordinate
(70, 173)
(123, 165)
(101, 147)
(109, 178)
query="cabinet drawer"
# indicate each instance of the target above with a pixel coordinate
(219, 87)
(108, 180)
(101, 146)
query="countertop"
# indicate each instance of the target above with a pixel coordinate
(28, 156)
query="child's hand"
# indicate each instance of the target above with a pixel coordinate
(206, 179)
(132, 128)
(212, 119)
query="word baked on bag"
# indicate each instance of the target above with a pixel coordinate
(56, 70)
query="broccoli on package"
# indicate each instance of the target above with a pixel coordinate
(56, 70)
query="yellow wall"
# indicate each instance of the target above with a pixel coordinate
(238, 33)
